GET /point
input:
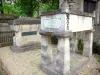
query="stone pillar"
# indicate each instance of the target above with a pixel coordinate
(74, 42)
(60, 2)
(82, 5)
(79, 5)
(98, 12)
(63, 57)
(88, 42)
(46, 53)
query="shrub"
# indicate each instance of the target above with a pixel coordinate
(80, 46)
(96, 48)
(98, 59)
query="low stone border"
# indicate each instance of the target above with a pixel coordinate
(78, 69)
(30, 46)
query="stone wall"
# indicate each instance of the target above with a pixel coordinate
(26, 34)
(77, 6)
(97, 33)
(97, 12)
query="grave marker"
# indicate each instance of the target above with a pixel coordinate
(62, 24)
(26, 33)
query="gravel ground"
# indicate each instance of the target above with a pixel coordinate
(27, 63)
(92, 68)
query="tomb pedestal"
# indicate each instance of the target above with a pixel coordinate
(62, 24)
(26, 34)
(63, 56)
(60, 65)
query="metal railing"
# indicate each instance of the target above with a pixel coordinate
(6, 37)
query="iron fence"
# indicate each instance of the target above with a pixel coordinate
(6, 36)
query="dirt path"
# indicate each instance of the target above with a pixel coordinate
(27, 63)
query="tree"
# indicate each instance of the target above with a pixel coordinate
(50, 5)
(1, 7)
(30, 7)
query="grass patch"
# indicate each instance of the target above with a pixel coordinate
(1, 73)
(98, 59)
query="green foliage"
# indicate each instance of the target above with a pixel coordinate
(98, 59)
(96, 48)
(29, 7)
(1, 73)
(80, 46)
(51, 5)
(11, 9)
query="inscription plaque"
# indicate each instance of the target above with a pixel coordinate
(53, 22)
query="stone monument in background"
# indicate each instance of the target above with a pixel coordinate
(26, 33)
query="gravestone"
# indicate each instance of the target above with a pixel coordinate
(26, 33)
(63, 24)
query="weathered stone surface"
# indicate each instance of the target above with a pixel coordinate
(57, 33)
(97, 33)
(75, 12)
(46, 51)
(30, 46)
(7, 17)
(63, 56)
(88, 42)
(24, 20)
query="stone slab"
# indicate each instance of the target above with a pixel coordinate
(27, 47)
(53, 12)
(57, 33)
(24, 20)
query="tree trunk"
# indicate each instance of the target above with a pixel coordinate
(30, 10)
(29, 13)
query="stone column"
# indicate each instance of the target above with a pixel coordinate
(46, 53)
(60, 2)
(63, 57)
(98, 12)
(82, 5)
(88, 42)
(79, 5)
(74, 42)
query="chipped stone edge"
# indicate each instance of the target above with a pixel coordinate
(63, 34)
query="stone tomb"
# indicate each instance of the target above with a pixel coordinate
(26, 33)
(63, 24)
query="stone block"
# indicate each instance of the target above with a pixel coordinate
(88, 42)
